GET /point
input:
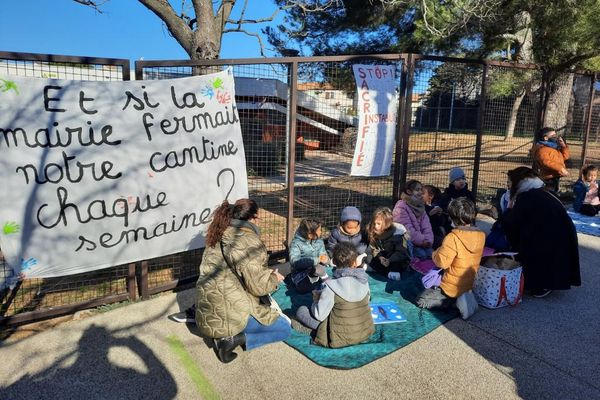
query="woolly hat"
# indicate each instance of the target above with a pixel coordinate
(350, 214)
(456, 173)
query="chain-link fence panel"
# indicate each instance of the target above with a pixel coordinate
(509, 125)
(327, 131)
(443, 120)
(513, 112)
(593, 143)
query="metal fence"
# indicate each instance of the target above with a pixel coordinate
(299, 126)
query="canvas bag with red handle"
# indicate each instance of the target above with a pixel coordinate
(499, 281)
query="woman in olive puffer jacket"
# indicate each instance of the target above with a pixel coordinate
(233, 275)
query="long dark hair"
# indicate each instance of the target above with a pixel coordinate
(517, 175)
(243, 209)
(308, 226)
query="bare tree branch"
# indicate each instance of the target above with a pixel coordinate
(94, 4)
(254, 34)
(200, 34)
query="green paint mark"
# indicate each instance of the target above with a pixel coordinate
(11, 227)
(7, 85)
(203, 385)
(217, 83)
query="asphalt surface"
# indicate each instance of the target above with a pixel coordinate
(542, 349)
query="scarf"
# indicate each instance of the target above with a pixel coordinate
(418, 206)
(548, 143)
(358, 273)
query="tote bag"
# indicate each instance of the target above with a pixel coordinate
(495, 288)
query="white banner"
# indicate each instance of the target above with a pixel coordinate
(377, 108)
(97, 174)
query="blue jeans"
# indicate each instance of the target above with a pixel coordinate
(258, 334)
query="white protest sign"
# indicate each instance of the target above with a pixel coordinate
(97, 174)
(377, 108)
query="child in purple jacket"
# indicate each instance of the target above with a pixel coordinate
(410, 212)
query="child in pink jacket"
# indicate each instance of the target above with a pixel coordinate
(410, 212)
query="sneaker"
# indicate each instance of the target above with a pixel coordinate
(539, 293)
(394, 276)
(188, 316)
(466, 304)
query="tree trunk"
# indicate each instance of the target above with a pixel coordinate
(512, 119)
(557, 106)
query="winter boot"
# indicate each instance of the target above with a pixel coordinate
(224, 347)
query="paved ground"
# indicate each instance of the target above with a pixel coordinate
(543, 349)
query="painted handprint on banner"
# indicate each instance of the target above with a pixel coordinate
(26, 264)
(11, 227)
(6, 85)
(217, 83)
(207, 91)
(223, 97)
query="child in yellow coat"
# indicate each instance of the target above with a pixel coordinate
(458, 257)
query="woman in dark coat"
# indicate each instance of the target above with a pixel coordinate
(539, 229)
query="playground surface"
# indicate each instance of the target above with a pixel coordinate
(543, 348)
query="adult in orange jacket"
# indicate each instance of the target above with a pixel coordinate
(549, 155)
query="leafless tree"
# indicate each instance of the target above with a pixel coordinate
(200, 25)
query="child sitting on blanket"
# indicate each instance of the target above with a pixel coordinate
(388, 245)
(410, 212)
(586, 192)
(349, 230)
(340, 312)
(459, 257)
(308, 256)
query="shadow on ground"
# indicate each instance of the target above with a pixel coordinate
(549, 346)
(97, 370)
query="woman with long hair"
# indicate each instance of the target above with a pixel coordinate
(234, 275)
(540, 230)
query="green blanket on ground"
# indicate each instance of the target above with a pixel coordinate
(387, 337)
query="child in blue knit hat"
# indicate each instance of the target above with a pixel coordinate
(457, 187)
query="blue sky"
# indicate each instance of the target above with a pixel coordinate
(126, 29)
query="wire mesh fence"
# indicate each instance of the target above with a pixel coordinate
(326, 139)
(513, 105)
(300, 131)
(593, 140)
(443, 121)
